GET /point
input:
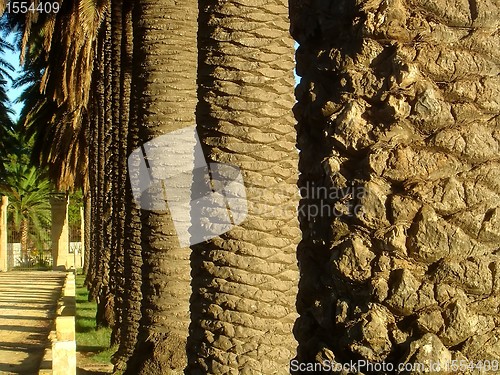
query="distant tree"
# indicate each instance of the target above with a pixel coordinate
(29, 207)
(75, 203)
(6, 123)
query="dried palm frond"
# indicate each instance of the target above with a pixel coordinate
(55, 120)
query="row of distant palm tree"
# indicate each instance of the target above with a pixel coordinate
(26, 186)
(108, 76)
(397, 100)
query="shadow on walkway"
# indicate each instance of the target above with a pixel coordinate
(27, 307)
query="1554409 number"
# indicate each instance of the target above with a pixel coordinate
(25, 7)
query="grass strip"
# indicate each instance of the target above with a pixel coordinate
(90, 342)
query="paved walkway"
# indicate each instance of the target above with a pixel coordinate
(27, 303)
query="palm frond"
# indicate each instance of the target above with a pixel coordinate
(29, 191)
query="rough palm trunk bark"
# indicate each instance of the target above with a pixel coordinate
(245, 281)
(24, 228)
(99, 159)
(132, 241)
(398, 123)
(119, 146)
(87, 204)
(164, 89)
(133, 280)
(132, 260)
(93, 135)
(105, 315)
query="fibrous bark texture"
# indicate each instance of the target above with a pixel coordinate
(105, 315)
(97, 153)
(132, 260)
(244, 281)
(87, 235)
(120, 112)
(164, 100)
(399, 136)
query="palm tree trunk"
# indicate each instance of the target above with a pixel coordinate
(132, 260)
(92, 134)
(245, 281)
(87, 204)
(393, 101)
(119, 175)
(133, 280)
(164, 84)
(24, 241)
(99, 160)
(105, 302)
